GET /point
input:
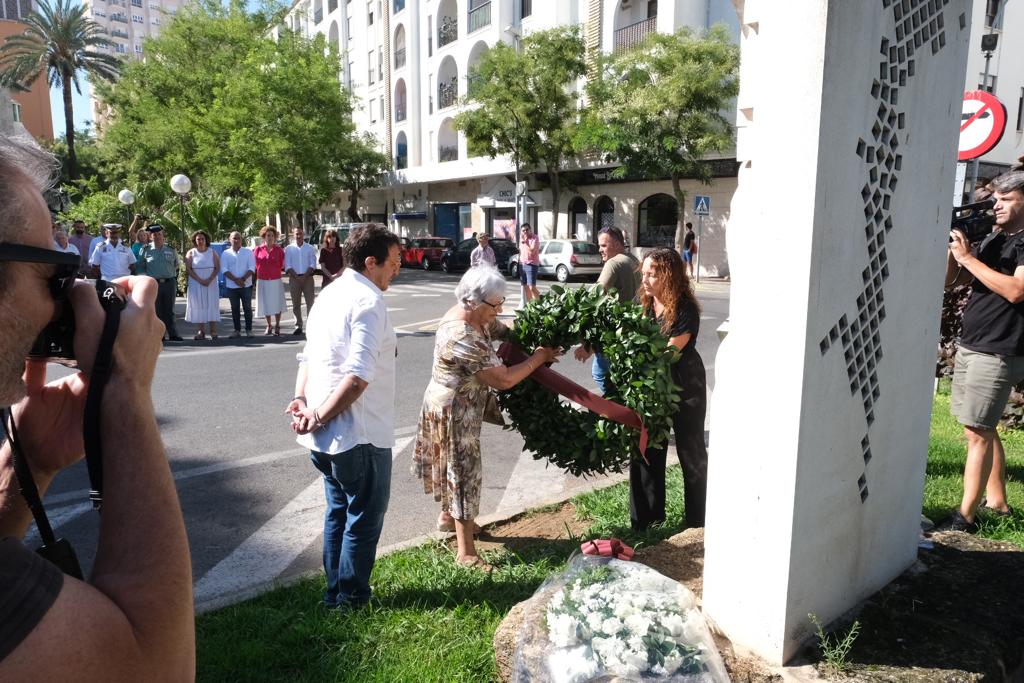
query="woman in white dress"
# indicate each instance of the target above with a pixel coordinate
(203, 305)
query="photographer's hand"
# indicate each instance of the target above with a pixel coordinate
(959, 247)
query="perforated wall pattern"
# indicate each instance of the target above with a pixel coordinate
(917, 30)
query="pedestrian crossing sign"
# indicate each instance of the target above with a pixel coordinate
(702, 205)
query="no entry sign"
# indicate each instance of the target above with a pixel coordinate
(982, 124)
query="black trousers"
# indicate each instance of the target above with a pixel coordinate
(647, 480)
(166, 293)
(243, 296)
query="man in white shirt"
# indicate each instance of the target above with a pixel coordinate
(344, 408)
(63, 244)
(483, 252)
(299, 264)
(239, 267)
(111, 259)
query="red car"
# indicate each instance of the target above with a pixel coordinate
(424, 252)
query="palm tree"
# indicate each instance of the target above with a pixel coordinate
(58, 42)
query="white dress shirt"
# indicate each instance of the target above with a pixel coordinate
(349, 333)
(114, 262)
(238, 263)
(300, 259)
(70, 249)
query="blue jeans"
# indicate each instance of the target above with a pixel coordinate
(243, 296)
(599, 371)
(357, 484)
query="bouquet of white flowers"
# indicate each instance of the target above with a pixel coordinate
(607, 619)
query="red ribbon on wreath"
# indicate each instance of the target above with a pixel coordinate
(559, 384)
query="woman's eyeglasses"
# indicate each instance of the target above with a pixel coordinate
(67, 265)
(497, 305)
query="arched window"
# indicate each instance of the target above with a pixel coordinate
(400, 100)
(579, 222)
(475, 55)
(658, 217)
(332, 5)
(447, 84)
(447, 142)
(401, 151)
(399, 47)
(318, 11)
(332, 37)
(447, 23)
(604, 214)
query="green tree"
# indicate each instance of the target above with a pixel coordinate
(243, 115)
(361, 168)
(658, 110)
(521, 103)
(92, 166)
(59, 42)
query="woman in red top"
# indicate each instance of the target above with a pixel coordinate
(269, 288)
(331, 260)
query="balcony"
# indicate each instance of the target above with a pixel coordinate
(629, 37)
(118, 33)
(119, 17)
(400, 58)
(479, 17)
(447, 93)
(447, 31)
(448, 153)
(401, 161)
(318, 15)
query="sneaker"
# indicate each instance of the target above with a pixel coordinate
(957, 522)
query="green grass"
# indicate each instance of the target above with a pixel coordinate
(434, 621)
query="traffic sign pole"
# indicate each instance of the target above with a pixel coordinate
(696, 263)
(977, 161)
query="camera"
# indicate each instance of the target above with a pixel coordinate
(975, 220)
(56, 343)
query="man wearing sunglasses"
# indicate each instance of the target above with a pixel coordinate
(134, 617)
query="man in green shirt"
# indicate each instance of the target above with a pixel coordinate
(160, 262)
(621, 272)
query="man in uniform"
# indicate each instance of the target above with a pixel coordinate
(160, 262)
(112, 259)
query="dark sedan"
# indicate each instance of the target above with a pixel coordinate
(456, 258)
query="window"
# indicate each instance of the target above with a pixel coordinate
(155, 21)
(138, 49)
(136, 3)
(348, 75)
(348, 27)
(120, 49)
(16, 112)
(652, 8)
(1020, 111)
(659, 214)
(98, 12)
(479, 15)
(373, 112)
(369, 14)
(399, 6)
(380, 63)
(525, 8)
(382, 108)
(137, 19)
(369, 67)
(332, 5)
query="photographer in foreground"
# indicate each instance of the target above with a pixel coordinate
(133, 620)
(990, 359)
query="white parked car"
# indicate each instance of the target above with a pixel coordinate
(569, 258)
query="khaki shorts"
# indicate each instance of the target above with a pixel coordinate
(981, 386)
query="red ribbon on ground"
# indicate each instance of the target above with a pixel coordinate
(607, 547)
(552, 381)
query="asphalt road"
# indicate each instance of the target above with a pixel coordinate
(253, 503)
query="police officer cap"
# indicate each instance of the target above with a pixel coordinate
(156, 227)
(112, 226)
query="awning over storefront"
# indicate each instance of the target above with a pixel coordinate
(413, 216)
(499, 193)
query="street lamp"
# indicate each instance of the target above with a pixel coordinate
(182, 185)
(126, 197)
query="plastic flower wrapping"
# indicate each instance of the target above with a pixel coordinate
(604, 619)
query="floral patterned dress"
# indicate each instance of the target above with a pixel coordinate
(447, 452)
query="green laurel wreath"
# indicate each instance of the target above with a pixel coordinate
(579, 441)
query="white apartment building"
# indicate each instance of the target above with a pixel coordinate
(127, 24)
(407, 63)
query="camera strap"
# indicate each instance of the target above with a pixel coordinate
(113, 303)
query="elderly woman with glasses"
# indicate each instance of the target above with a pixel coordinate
(466, 368)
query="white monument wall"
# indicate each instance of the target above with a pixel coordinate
(848, 119)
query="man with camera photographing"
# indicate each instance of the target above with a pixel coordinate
(133, 620)
(990, 360)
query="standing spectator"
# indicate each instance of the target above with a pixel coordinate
(203, 304)
(95, 242)
(344, 408)
(689, 249)
(667, 296)
(60, 239)
(300, 264)
(529, 262)
(135, 613)
(141, 236)
(447, 452)
(621, 272)
(81, 238)
(990, 360)
(483, 252)
(111, 259)
(332, 258)
(269, 288)
(239, 267)
(160, 262)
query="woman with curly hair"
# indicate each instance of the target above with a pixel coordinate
(667, 296)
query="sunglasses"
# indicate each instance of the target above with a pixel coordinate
(61, 281)
(497, 305)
